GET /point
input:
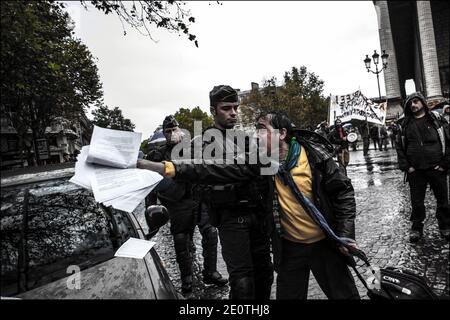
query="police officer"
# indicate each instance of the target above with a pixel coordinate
(239, 213)
(184, 215)
(241, 210)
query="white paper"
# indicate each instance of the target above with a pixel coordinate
(84, 171)
(114, 148)
(130, 201)
(121, 188)
(109, 183)
(134, 248)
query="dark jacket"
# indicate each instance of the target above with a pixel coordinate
(422, 151)
(336, 139)
(374, 133)
(174, 195)
(333, 192)
(224, 187)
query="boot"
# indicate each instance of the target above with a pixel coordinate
(186, 285)
(242, 288)
(184, 260)
(209, 244)
(415, 235)
(214, 278)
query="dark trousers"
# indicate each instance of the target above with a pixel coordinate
(246, 252)
(383, 143)
(343, 157)
(183, 220)
(393, 141)
(418, 181)
(376, 142)
(327, 265)
(366, 144)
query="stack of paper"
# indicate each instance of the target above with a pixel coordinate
(108, 168)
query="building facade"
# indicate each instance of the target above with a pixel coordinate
(416, 37)
(62, 141)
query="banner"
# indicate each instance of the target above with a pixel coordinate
(355, 106)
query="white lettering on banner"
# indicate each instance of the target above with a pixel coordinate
(355, 106)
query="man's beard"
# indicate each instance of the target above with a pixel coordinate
(418, 112)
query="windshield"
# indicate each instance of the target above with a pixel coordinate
(47, 227)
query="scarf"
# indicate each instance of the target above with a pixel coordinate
(284, 174)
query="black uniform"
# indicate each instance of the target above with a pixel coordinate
(185, 214)
(240, 212)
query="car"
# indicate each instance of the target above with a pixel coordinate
(57, 242)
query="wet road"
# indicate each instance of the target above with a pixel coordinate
(382, 230)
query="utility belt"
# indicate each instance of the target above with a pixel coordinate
(230, 196)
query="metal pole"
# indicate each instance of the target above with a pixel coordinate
(378, 82)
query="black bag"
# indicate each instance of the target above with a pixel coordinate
(396, 284)
(401, 284)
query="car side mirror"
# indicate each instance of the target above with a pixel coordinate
(156, 216)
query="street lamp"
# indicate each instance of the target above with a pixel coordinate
(367, 61)
(376, 58)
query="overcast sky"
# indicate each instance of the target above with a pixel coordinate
(239, 43)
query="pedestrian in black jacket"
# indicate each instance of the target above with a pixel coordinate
(423, 154)
(338, 137)
(298, 244)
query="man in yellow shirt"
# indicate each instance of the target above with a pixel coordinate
(299, 243)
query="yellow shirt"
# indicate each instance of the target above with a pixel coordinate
(295, 221)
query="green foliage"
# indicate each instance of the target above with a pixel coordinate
(111, 119)
(186, 118)
(45, 71)
(144, 146)
(300, 96)
(141, 15)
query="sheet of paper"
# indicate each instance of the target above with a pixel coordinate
(122, 188)
(109, 183)
(84, 172)
(130, 201)
(134, 248)
(114, 148)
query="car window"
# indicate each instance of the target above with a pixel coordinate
(47, 227)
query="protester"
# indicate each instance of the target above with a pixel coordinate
(375, 136)
(300, 242)
(393, 131)
(423, 153)
(338, 137)
(365, 135)
(446, 113)
(383, 137)
(323, 129)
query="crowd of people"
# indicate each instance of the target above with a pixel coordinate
(304, 213)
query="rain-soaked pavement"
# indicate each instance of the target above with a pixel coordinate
(382, 231)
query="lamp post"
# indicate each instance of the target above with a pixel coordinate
(376, 58)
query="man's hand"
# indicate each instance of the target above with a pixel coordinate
(411, 170)
(150, 165)
(439, 168)
(345, 251)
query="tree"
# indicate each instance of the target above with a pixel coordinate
(145, 147)
(300, 96)
(45, 71)
(186, 118)
(111, 119)
(141, 15)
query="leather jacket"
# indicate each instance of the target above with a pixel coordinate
(333, 192)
